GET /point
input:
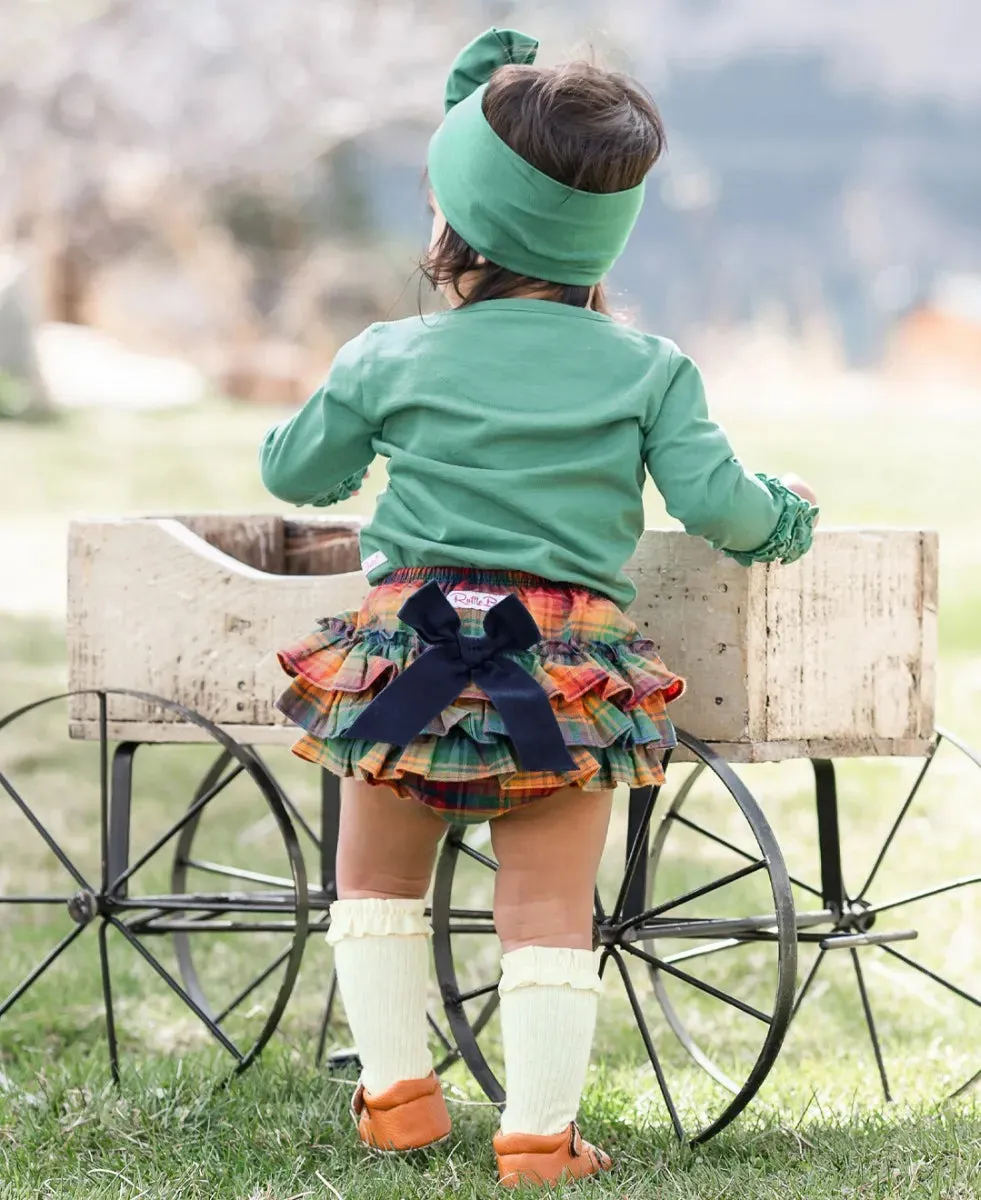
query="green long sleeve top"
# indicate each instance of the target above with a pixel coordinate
(518, 433)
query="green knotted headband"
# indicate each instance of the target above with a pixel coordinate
(502, 206)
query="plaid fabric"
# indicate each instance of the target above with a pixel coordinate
(607, 687)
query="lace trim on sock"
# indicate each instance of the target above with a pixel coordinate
(548, 966)
(377, 918)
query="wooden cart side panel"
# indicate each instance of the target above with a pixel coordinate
(697, 608)
(154, 608)
(321, 546)
(758, 643)
(257, 541)
(837, 650)
(928, 590)
(845, 640)
(309, 545)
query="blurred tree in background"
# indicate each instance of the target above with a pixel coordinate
(239, 182)
(184, 175)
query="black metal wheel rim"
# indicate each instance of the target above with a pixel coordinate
(622, 933)
(264, 910)
(450, 922)
(103, 899)
(738, 932)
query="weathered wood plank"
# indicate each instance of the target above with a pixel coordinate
(320, 547)
(701, 611)
(927, 589)
(256, 541)
(844, 640)
(153, 608)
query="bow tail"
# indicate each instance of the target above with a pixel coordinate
(527, 715)
(403, 709)
(478, 61)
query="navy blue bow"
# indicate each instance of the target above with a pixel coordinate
(402, 710)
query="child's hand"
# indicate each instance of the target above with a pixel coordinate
(796, 484)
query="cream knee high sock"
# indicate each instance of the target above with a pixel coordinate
(381, 956)
(548, 1016)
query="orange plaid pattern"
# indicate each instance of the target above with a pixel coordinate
(607, 686)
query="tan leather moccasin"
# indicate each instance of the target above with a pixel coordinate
(533, 1158)
(410, 1115)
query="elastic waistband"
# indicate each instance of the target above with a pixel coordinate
(476, 577)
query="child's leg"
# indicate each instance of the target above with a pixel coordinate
(386, 850)
(386, 847)
(549, 853)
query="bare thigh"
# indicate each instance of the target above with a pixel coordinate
(549, 854)
(387, 846)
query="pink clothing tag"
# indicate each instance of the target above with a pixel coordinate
(373, 560)
(479, 600)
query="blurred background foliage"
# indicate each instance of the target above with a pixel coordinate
(239, 184)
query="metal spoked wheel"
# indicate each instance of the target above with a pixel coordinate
(232, 960)
(899, 972)
(892, 970)
(660, 933)
(58, 881)
(229, 962)
(467, 952)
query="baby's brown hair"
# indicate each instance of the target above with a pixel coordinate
(593, 130)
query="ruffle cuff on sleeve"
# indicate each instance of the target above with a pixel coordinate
(341, 491)
(794, 533)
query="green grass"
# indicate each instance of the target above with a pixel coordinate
(816, 1131)
(107, 462)
(174, 1135)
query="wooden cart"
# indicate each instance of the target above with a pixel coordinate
(173, 625)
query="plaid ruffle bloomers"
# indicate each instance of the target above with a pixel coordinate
(605, 683)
